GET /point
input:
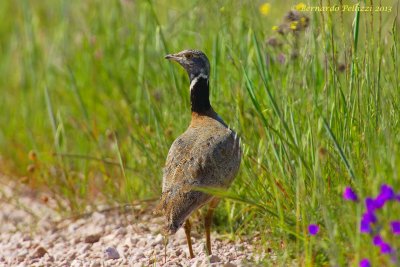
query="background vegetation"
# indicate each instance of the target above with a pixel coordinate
(85, 87)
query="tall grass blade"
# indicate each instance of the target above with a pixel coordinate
(339, 149)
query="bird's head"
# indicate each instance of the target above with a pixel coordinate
(194, 62)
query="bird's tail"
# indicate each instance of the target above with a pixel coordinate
(159, 209)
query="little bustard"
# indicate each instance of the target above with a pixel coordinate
(207, 154)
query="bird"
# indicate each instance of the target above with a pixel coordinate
(207, 154)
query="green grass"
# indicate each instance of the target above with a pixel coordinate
(85, 85)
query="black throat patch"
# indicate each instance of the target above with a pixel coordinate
(199, 94)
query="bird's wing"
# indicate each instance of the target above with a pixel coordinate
(206, 155)
(208, 158)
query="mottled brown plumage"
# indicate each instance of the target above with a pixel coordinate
(207, 154)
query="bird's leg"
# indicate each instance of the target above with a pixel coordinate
(189, 240)
(208, 220)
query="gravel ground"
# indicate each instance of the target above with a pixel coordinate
(32, 234)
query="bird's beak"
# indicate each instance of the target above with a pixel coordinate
(174, 57)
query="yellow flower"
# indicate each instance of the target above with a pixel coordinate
(300, 6)
(293, 25)
(265, 8)
(275, 28)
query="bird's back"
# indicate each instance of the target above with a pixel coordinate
(207, 154)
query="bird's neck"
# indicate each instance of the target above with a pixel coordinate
(199, 95)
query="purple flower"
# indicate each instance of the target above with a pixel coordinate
(380, 201)
(377, 240)
(365, 263)
(281, 58)
(369, 217)
(365, 227)
(349, 194)
(397, 197)
(370, 204)
(395, 227)
(385, 248)
(387, 192)
(313, 229)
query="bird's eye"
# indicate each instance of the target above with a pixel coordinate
(189, 56)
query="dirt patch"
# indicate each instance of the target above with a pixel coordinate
(32, 234)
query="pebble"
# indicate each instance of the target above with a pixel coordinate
(39, 252)
(141, 243)
(213, 259)
(131, 241)
(111, 253)
(48, 258)
(84, 248)
(121, 232)
(180, 234)
(71, 255)
(95, 264)
(137, 257)
(92, 238)
(197, 263)
(27, 238)
(158, 240)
